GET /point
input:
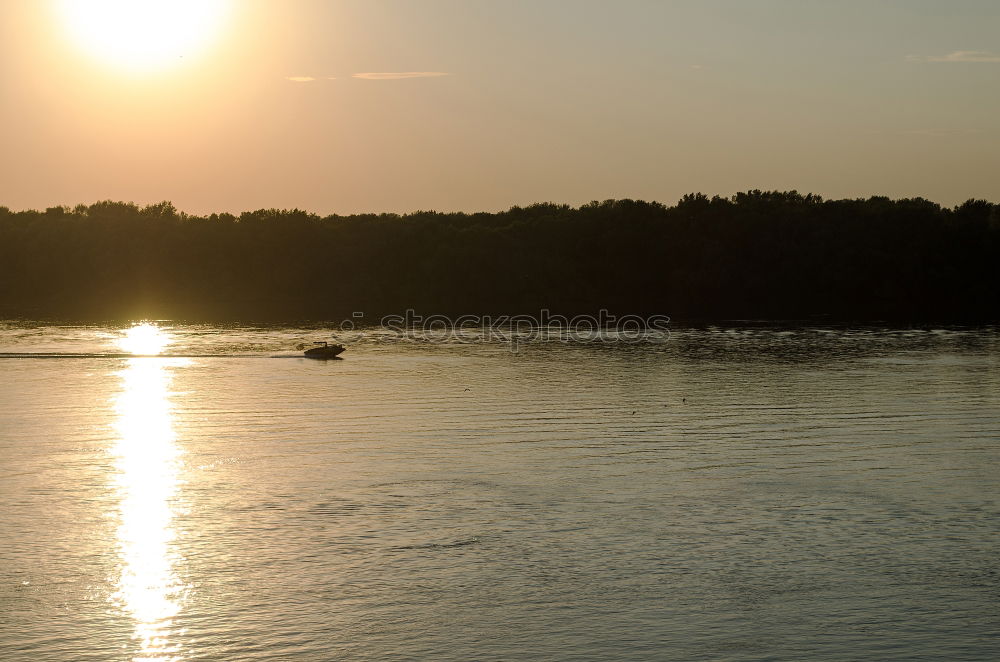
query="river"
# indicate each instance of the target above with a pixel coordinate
(743, 492)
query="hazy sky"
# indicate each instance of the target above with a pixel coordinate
(503, 102)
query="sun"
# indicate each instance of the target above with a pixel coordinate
(143, 35)
(144, 339)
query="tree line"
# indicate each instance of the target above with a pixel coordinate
(755, 255)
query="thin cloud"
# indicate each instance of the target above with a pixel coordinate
(395, 75)
(300, 79)
(957, 56)
(940, 133)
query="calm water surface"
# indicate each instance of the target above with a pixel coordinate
(729, 494)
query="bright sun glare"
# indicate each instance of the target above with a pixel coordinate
(144, 339)
(143, 35)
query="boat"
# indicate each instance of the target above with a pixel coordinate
(324, 350)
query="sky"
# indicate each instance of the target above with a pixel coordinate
(344, 106)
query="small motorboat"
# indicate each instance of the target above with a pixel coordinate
(324, 350)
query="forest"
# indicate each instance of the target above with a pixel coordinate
(756, 255)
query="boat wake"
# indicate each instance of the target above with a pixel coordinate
(122, 355)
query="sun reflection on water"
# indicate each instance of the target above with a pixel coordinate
(147, 459)
(144, 339)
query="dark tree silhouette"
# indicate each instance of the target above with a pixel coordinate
(759, 254)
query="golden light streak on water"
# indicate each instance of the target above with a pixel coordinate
(146, 462)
